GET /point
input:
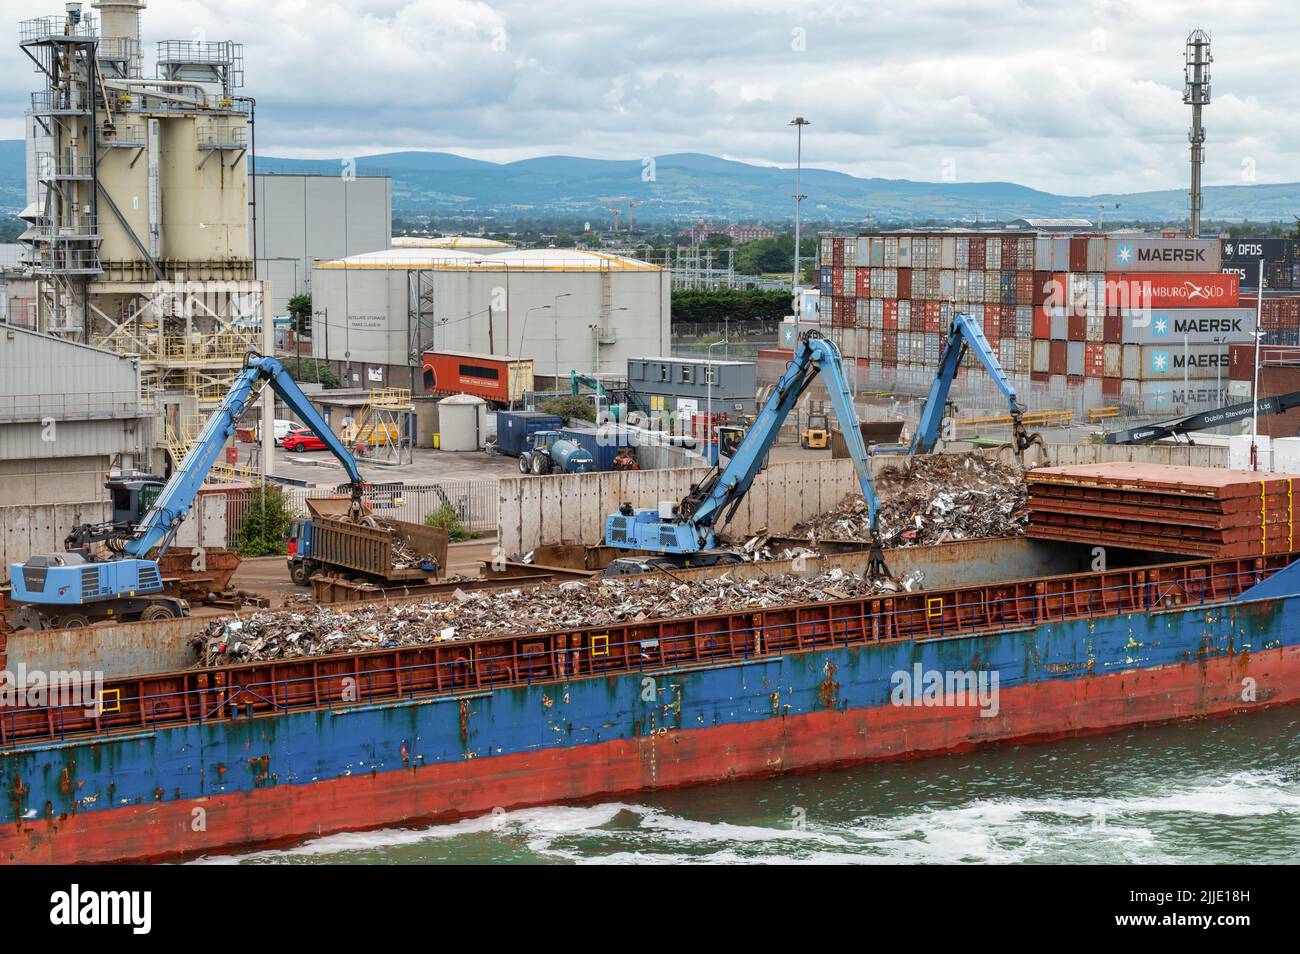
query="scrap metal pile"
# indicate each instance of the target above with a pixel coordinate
(929, 499)
(318, 630)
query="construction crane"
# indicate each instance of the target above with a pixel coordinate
(616, 213)
(631, 204)
(1205, 420)
(965, 334)
(73, 588)
(685, 533)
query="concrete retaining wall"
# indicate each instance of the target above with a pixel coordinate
(1062, 455)
(572, 508)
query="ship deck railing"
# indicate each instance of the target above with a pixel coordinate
(455, 668)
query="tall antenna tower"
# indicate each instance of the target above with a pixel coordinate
(1196, 93)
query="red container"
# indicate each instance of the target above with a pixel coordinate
(1058, 357)
(1112, 329)
(1039, 377)
(1009, 252)
(486, 376)
(976, 257)
(1076, 327)
(890, 310)
(837, 280)
(864, 282)
(837, 254)
(904, 283)
(1042, 322)
(1042, 285)
(1241, 358)
(1110, 387)
(1172, 290)
(1079, 254)
(1094, 360)
(933, 317)
(1025, 288)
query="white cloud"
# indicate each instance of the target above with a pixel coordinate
(1066, 96)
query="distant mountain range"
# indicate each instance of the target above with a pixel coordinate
(688, 186)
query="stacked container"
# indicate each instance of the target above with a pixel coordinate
(1138, 318)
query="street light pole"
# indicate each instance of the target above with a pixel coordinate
(519, 357)
(798, 123)
(555, 334)
(1254, 388)
(708, 398)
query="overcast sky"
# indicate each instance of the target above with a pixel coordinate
(1073, 97)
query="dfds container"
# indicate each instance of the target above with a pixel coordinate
(513, 428)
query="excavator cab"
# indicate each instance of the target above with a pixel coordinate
(817, 435)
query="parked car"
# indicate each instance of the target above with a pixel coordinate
(302, 439)
(282, 429)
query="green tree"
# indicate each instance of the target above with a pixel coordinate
(266, 524)
(570, 407)
(300, 312)
(311, 371)
(730, 305)
(564, 240)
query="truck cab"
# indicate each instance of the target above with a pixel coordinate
(298, 547)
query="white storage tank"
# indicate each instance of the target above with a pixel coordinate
(462, 422)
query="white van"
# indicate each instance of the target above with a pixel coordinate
(282, 429)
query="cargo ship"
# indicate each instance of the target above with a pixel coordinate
(208, 760)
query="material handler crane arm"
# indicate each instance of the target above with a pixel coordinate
(964, 333)
(176, 498)
(690, 528)
(1205, 420)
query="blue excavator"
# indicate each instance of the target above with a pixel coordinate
(74, 589)
(965, 334)
(685, 534)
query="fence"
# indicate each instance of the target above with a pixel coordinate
(475, 502)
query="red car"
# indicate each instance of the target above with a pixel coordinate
(302, 439)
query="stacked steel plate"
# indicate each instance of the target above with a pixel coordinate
(1202, 511)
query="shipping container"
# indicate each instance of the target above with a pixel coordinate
(903, 287)
(513, 428)
(1058, 357)
(1074, 355)
(1078, 253)
(1169, 398)
(1171, 290)
(1241, 358)
(1060, 324)
(1162, 255)
(1170, 326)
(905, 252)
(1175, 362)
(602, 443)
(1112, 361)
(492, 377)
(827, 257)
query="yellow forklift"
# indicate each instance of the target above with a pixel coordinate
(817, 435)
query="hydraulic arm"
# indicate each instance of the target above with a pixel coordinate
(690, 527)
(965, 334)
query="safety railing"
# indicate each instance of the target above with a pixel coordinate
(345, 680)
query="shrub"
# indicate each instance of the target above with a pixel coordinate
(448, 519)
(266, 523)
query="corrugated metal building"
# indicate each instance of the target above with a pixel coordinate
(688, 384)
(374, 315)
(66, 412)
(305, 218)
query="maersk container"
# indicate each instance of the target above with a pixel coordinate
(1175, 362)
(513, 428)
(1169, 326)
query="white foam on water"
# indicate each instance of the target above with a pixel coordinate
(985, 830)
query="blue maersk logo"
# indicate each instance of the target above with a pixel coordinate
(1160, 361)
(1124, 254)
(1160, 325)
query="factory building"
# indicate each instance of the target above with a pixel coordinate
(376, 314)
(138, 199)
(301, 219)
(57, 442)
